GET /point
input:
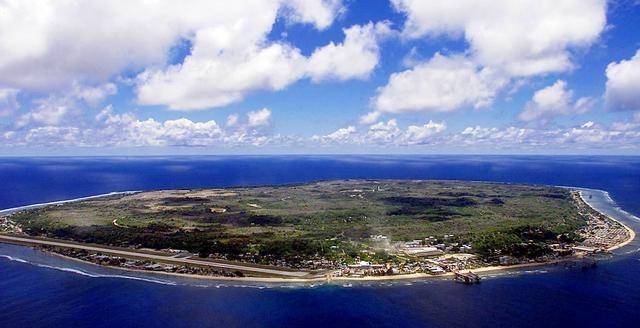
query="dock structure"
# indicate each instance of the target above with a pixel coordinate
(468, 278)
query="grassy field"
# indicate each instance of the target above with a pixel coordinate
(328, 219)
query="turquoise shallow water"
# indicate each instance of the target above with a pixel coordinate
(40, 290)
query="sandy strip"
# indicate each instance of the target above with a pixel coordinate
(632, 234)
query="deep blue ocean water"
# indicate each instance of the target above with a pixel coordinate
(38, 290)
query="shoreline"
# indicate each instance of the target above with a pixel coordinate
(8, 211)
(412, 276)
(632, 234)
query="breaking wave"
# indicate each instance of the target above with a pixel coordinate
(87, 274)
(15, 259)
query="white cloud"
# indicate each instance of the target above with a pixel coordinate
(385, 134)
(370, 118)
(48, 111)
(94, 95)
(126, 130)
(46, 46)
(54, 135)
(623, 84)
(587, 136)
(508, 40)
(321, 13)
(341, 135)
(523, 38)
(356, 57)
(8, 101)
(221, 70)
(422, 134)
(553, 101)
(7, 136)
(589, 132)
(58, 108)
(498, 138)
(259, 117)
(212, 77)
(439, 85)
(180, 132)
(232, 120)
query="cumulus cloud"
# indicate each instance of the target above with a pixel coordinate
(57, 121)
(356, 57)
(218, 73)
(623, 84)
(588, 135)
(54, 135)
(384, 134)
(126, 130)
(553, 101)
(499, 138)
(370, 117)
(630, 124)
(593, 133)
(523, 38)
(49, 111)
(54, 109)
(214, 77)
(341, 135)
(439, 85)
(93, 95)
(46, 44)
(421, 134)
(47, 47)
(508, 40)
(259, 117)
(320, 13)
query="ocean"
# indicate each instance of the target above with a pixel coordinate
(38, 290)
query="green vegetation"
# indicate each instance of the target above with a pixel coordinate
(331, 219)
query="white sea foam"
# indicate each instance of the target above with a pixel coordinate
(15, 259)
(94, 275)
(86, 274)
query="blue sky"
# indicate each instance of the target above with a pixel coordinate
(319, 76)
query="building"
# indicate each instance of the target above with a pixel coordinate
(422, 251)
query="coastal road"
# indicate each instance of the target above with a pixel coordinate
(154, 257)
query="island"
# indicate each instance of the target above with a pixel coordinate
(342, 229)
